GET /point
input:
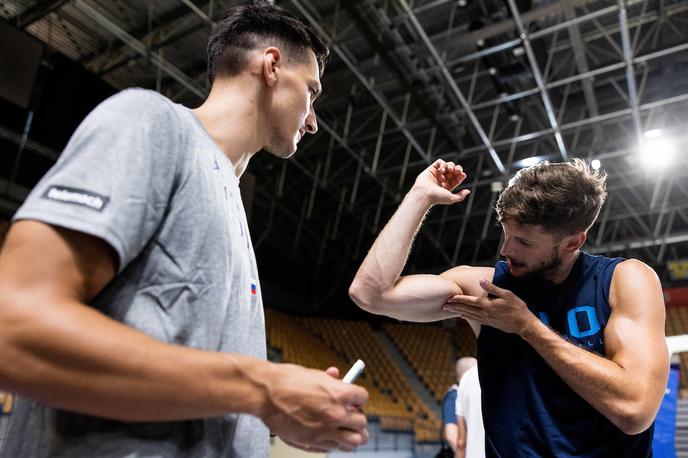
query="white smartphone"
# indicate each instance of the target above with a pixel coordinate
(354, 372)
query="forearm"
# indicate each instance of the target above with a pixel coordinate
(75, 358)
(449, 433)
(615, 392)
(378, 287)
(460, 448)
(382, 266)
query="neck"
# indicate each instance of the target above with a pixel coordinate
(564, 270)
(233, 120)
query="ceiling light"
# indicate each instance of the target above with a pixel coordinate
(656, 152)
(530, 161)
(653, 133)
(496, 186)
(527, 162)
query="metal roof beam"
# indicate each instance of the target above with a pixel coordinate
(582, 64)
(169, 69)
(36, 12)
(354, 68)
(564, 127)
(640, 243)
(449, 80)
(630, 73)
(537, 75)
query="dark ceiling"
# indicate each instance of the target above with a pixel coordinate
(486, 83)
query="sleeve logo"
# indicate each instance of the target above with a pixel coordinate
(76, 197)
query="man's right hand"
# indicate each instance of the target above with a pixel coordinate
(311, 410)
(439, 180)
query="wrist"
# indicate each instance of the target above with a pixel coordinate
(529, 328)
(247, 388)
(420, 196)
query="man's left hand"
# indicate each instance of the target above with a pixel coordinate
(506, 312)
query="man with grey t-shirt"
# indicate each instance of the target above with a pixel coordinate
(130, 304)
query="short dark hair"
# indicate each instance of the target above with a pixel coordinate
(244, 27)
(564, 197)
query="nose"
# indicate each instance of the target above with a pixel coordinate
(505, 249)
(311, 122)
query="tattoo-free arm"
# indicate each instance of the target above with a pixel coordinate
(57, 350)
(450, 432)
(69, 355)
(378, 287)
(627, 386)
(460, 451)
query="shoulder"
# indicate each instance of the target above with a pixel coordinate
(469, 377)
(634, 282)
(449, 399)
(631, 270)
(142, 114)
(601, 262)
(139, 107)
(138, 97)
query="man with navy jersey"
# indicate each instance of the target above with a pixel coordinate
(572, 357)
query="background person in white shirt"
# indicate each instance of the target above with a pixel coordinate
(469, 415)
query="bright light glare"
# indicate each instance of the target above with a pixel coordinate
(595, 164)
(527, 162)
(654, 133)
(657, 152)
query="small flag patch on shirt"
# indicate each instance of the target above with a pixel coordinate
(253, 288)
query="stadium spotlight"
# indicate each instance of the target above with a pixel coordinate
(656, 151)
(595, 164)
(527, 162)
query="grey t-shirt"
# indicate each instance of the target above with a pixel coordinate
(142, 174)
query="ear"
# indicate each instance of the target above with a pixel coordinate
(574, 241)
(272, 63)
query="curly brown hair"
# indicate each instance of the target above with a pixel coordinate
(565, 197)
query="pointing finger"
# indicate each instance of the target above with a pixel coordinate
(495, 290)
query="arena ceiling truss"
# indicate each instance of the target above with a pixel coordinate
(490, 84)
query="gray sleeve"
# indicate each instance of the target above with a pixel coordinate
(115, 178)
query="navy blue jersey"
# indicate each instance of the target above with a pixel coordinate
(528, 410)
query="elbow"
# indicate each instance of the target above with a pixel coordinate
(359, 296)
(634, 419)
(8, 328)
(363, 297)
(634, 425)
